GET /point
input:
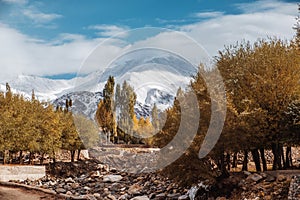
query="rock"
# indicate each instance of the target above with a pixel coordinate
(113, 170)
(60, 190)
(264, 175)
(124, 197)
(69, 180)
(270, 178)
(111, 197)
(97, 195)
(90, 197)
(152, 196)
(183, 197)
(69, 193)
(140, 198)
(255, 177)
(268, 197)
(173, 196)
(247, 173)
(87, 188)
(112, 178)
(135, 189)
(281, 178)
(96, 174)
(221, 198)
(161, 195)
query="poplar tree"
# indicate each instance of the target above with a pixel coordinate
(105, 114)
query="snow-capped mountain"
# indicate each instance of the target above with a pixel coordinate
(154, 75)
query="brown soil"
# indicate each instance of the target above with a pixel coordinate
(9, 193)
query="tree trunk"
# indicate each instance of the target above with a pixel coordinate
(234, 160)
(223, 166)
(4, 157)
(255, 155)
(288, 157)
(54, 159)
(279, 156)
(72, 155)
(78, 154)
(245, 161)
(9, 157)
(20, 157)
(263, 159)
(42, 159)
(275, 155)
(30, 158)
(228, 161)
(282, 156)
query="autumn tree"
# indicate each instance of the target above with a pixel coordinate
(126, 99)
(87, 131)
(262, 80)
(155, 118)
(105, 114)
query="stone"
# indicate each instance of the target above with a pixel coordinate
(270, 178)
(69, 180)
(112, 178)
(69, 193)
(140, 198)
(152, 196)
(247, 173)
(90, 197)
(135, 189)
(268, 197)
(96, 174)
(221, 198)
(173, 196)
(183, 197)
(97, 195)
(264, 175)
(160, 196)
(124, 197)
(87, 188)
(60, 190)
(255, 177)
(111, 197)
(281, 178)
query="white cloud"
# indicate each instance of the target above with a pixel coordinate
(23, 54)
(164, 21)
(105, 30)
(265, 6)
(261, 20)
(21, 2)
(26, 55)
(40, 17)
(212, 14)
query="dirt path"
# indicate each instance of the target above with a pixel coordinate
(8, 193)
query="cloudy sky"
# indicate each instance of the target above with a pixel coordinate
(49, 37)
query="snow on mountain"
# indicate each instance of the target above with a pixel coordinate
(84, 102)
(154, 74)
(45, 89)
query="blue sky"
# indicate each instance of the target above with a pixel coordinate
(77, 16)
(54, 37)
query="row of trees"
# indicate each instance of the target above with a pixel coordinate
(116, 115)
(35, 127)
(263, 106)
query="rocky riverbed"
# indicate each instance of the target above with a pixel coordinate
(118, 173)
(91, 179)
